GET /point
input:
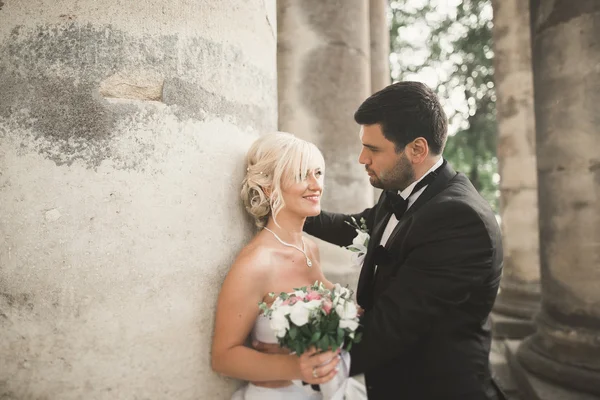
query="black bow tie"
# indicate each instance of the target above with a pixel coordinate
(397, 205)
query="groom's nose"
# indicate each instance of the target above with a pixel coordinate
(363, 157)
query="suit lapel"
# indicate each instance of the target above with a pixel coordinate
(367, 272)
(445, 174)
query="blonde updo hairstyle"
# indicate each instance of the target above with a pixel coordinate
(273, 161)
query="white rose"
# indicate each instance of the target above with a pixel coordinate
(348, 323)
(299, 314)
(279, 324)
(300, 294)
(358, 259)
(285, 309)
(341, 291)
(313, 304)
(360, 239)
(346, 310)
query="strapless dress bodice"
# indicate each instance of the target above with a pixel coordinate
(262, 330)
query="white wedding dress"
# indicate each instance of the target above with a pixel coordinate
(341, 387)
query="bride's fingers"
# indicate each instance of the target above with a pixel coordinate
(324, 357)
(317, 368)
(326, 378)
(326, 367)
(310, 352)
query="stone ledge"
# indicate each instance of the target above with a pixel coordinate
(501, 372)
(507, 327)
(532, 387)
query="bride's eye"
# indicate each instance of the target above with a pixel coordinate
(318, 173)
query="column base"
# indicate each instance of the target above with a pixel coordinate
(517, 299)
(515, 307)
(531, 387)
(565, 355)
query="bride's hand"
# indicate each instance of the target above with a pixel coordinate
(317, 368)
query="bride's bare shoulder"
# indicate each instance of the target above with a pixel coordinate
(255, 258)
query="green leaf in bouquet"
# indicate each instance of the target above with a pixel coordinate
(315, 337)
(358, 337)
(340, 334)
(324, 342)
(338, 343)
(332, 324)
(293, 332)
(305, 330)
(349, 347)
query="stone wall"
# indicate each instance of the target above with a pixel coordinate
(123, 127)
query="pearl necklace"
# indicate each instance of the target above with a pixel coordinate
(308, 262)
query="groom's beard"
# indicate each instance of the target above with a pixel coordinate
(398, 178)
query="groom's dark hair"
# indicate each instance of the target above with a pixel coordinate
(406, 111)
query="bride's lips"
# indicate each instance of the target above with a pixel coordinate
(313, 198)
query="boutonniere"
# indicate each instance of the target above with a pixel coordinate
(361, 241)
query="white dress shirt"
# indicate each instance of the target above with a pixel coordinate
(405, 193)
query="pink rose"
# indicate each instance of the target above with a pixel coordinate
(313, 296)
(327, 306)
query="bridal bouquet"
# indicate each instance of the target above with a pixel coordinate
(314, 316)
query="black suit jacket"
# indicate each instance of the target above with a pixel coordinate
(426, 331)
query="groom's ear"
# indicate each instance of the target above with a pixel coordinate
(418, 150)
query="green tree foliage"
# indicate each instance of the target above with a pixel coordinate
(456, 49)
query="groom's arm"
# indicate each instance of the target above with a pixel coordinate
(454, 257)
(334, 227)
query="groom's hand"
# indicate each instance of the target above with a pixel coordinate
(360, 311)
(270, 348)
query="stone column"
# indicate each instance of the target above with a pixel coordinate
(123, 127)
(519, 296)
(566, 54)
(380, 52)
(380, 45)
(323, 67)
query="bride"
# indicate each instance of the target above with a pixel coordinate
(283, 186)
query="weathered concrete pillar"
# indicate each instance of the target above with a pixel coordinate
(566, 54)
(519, 296)
(323, 68)
(123, 127)
(380, 45)
(380, 52)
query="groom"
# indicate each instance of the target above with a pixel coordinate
(433, 265)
